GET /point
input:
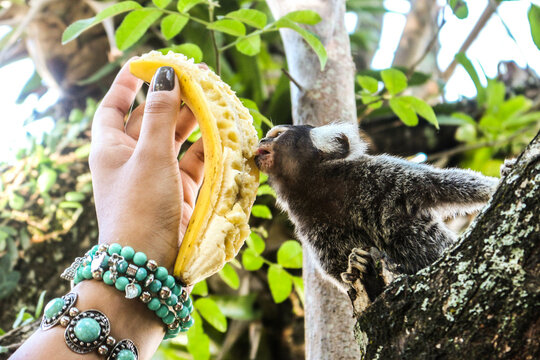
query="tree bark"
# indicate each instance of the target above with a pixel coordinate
(482, 299)
(321, 98)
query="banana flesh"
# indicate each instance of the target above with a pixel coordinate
(219, 224)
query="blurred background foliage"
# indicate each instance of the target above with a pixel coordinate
(253, 308)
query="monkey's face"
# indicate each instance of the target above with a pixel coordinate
(285, 150)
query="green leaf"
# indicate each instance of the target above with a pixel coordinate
(19, 318)
(16, 202)
(299, 288)
(523, 120)
(185, 5)
(308, 17)
(200, 288)
(134, 26)
(534, 22)
(75, 29)
(394, 80)
(404, 111)
(466, 133)
(190, 50)
(266, 190)
(82, 151)
(238, 307)
(256, 243)
(251, 260)
(250, 104)
(261, 211)
(198, 342)
(468, 66)
(162, 4)
(69, 205)
(172, 24)
(39, 306)
(310, 38)
(250, 17)
(424, 110)
(368, 83)
(74, 196)
(263, 178)
(280, 282)
(459, 7)
(228, 26)
(229, 276)
(495, 92)
(46, 180)
(195, 135)
(211, 313)
(290, 254)
(250, 45)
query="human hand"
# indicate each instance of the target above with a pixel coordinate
(144, 196)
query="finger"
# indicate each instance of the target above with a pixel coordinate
(185, 125)
(133, 125)
(192, 170)
(116, 103)
(157, 139)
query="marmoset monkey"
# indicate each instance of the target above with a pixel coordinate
(343, 201)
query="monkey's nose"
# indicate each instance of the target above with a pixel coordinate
(264, 140)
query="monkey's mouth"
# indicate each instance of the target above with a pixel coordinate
(264, 158)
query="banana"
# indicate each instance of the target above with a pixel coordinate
(219, 224)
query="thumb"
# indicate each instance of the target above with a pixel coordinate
(156, 139)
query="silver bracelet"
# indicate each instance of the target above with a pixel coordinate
(86, 331)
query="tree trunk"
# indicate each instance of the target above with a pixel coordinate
(323, 97)
(482, 299)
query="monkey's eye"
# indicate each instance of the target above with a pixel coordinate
(274, 134)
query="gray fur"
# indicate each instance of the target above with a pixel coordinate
(340, 198)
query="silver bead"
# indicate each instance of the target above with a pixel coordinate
(184, 295)
(110, 341)
(148, 280)
(64, 320)
(74, 311)
(165, 293)
(151, 265)
(103, 247)
(145, 297)
(174, 325)
(97, 274)
(132, 270)
(178, 307)
(131, 291)
(103, 350)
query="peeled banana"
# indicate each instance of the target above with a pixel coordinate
(219, 224)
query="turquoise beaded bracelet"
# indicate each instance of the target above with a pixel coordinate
(133, 273)
(86, 331)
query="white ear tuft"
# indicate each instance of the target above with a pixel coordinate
(324, 138)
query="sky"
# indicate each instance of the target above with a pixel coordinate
(491, 46)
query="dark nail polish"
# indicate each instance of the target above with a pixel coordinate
(163, 79)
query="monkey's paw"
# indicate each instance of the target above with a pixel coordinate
(359, 262)
(507, 166)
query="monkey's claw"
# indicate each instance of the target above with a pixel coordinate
(507, 166)
(359, 261)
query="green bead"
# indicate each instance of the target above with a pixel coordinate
(184, 312)
(169, 318)
(121, 283)
(87, 330)
(125, 355)
(139, 289)
(107, 278)
(188, 323)
(79, 271)
(141, 274)
(172, 300)
(183, 329)
(54, 307)
(154, 304)
(162, 311)
(127, 252)
(169, 282)
(105, 262)
(94, 250)
(161, 273)
(77, 279)
(155, 286)
(87, 272)
(170, 334)
(140, 258)
(176, 290)
(115, 249)
(188, 302)
(190, 307)
(122, 267)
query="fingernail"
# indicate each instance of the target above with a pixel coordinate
(163, 79)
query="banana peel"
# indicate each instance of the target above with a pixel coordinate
(219, 224)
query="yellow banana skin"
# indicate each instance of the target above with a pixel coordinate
(219, 224)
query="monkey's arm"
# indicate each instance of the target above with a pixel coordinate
(454, 191)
